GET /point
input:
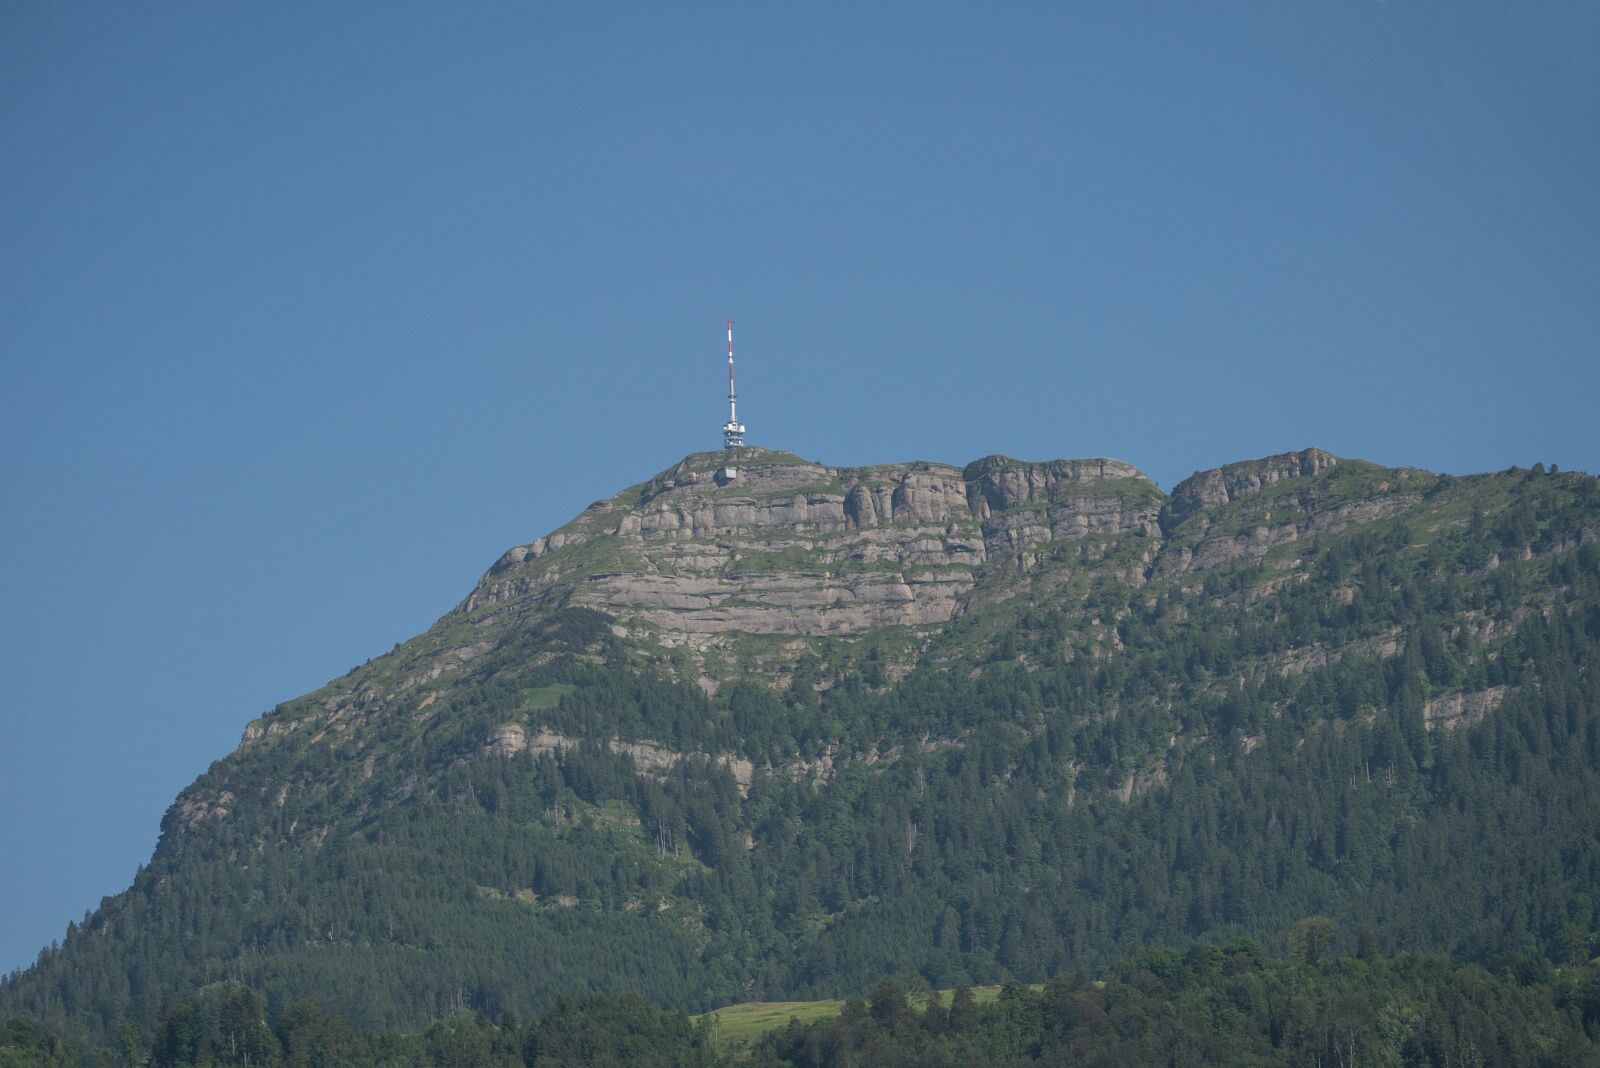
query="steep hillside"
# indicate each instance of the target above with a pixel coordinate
(786, 729)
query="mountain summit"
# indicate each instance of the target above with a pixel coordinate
(758, 727)
(763, 542)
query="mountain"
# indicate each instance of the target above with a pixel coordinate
(758, 727)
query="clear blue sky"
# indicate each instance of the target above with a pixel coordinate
(308, 311)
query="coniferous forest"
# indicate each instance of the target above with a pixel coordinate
(1229, 1004)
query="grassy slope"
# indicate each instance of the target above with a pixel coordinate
(744, 1023)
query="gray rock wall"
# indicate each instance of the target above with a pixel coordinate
(792, 547)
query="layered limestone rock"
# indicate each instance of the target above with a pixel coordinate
(1025, 505)
(788, 546)
(1220, 485)
(1243, 511)
(791, 547)
(509, 739)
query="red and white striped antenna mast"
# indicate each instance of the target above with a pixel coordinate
(732, 430)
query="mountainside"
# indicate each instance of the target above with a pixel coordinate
(781, 729)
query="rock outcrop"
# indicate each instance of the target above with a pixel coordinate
(791, 547)
(1451, 710)
(1221, 485)
(1243, 511)
(787, 546)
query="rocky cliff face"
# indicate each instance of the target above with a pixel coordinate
(1246, 510)
(781, 546)
(744, 572)
(1222, 485)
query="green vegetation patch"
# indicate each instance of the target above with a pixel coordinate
(1133, 488)
(744, 1023)
(543, 698)
(738, 1025)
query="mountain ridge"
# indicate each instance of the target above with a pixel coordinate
(796, 728)
(913, 504)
